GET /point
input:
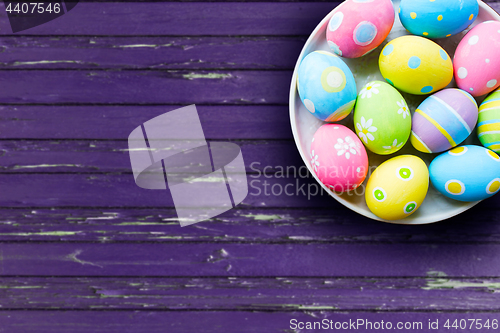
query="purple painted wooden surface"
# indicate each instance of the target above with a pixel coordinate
(212, 321)
(77, 234)
(364, 259)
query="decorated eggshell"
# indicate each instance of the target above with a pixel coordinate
(415, 65)
(437, 19)
(338, 158)
(359, 26)
(476, 63)
(397, 188)
(488, 122)
(326, 86)
(382, 118)
(443, 120)
(466, 173)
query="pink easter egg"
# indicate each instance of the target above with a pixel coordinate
(476, 64)
(338, 158)
(359, 26)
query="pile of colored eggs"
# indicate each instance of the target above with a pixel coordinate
(382, 119)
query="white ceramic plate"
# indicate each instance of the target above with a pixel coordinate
(436, 207)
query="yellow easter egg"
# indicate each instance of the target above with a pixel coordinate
(397, 188)
(416, 65)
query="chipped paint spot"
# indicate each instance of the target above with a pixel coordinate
(263, 217)
(205, 180)
(41, 62)
(436, 284)
(72, 257)
(192, 76)
(42, 233)
(142, 45)
(48, 166)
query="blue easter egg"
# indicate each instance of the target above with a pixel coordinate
(466, 173)
(326, 86)
(437, 19)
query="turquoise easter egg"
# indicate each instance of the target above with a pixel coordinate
(326, 86)
(466, 173)
(437, 19)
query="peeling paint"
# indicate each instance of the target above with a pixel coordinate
(263, 217)
(72, 257)
(142, 45)
(192, 76)
(436, 284)
(21, 63)
(48, 166)
(42, 233)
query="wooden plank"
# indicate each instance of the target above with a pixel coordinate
(145, 87)
(150, 52)
(185, 19)
(231, 321)
(438, 293)
(113, 156)
(293, 190)
(279, 226)
(263, 260)
(120, 190)
(116, 122)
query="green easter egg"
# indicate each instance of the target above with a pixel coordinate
(382, 118)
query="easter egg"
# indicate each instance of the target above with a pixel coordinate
(382, 118)
(466, 173)
(476, 62)
(338, 158)
(415, 65)
(488, 122)
(359, 26)
(443, 120)
(397, 188)
(437, 19)
(326, 86)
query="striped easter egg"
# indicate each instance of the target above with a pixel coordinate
(488, 127)
(443, 120)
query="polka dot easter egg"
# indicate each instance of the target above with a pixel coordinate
(326, 86)
(338, 158)
(476, 63)
(488, 126)
(382, 118)
(443, 120)
(397, 188)
(415, 65)
(359, 26)
(477, 178)
(437, 19)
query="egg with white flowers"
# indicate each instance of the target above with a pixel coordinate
(476, 63)
(466, 173)
(382, 118)
(338, 158)
(397, 187)
(326, 86)
(437, 19)
(415, 65)
(356, 27)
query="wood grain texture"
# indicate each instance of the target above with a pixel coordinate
(111, 156)
(434, 293)
(150, 52)
(209, 321)
(116, 122)
(250, 225)
(145, 87)
(263, 260)
(183, 19)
